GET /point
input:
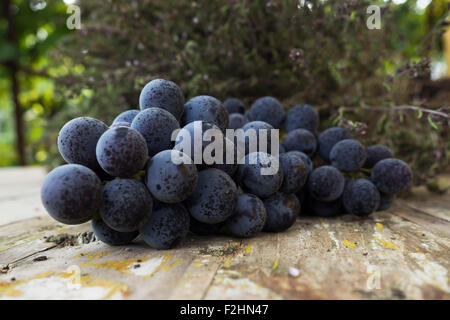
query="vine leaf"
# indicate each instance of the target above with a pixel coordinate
(420, 113)
(432, 124)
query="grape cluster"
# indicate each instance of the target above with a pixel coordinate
(123, 178)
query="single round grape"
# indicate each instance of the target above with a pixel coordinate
(126, 205)
(257, 182)
(282, 210)
(326, 183)
(78, 139)
(156, 126)
(300, 140)
(306, 160)
(71, 193)
(206, 108)
(164, 94)
(294, 171)
(171, 182)
(259, 127)
(214, 198)
(122, 152)
(234, 105)
(391, 175)
(360, 197)
(302, 117)
(166, 227)
(249, 216)
(386, 201)
(236, 121)
(267, 109)
(329, 138)
(109, 236)
(126, 116)
(348, 155)
(205, 229)
(376, 153)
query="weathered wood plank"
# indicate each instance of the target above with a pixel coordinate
(399, 254)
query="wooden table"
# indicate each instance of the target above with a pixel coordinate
(399, 254)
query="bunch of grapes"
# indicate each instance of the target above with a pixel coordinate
(123, 178)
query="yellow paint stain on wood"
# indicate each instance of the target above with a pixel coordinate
(119, 265)
(275, 263)
(81, 254)
(386, 243)
(98, 255)
(9, 288)
(162, 266)
(248, 248)
(176, 263)
(378, 227)
(197, 264)
(61, 228)
(113, 286)
(168, 266)
(227, 262)
(3, 249)
(349, 244)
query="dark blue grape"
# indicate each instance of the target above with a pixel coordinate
(166, 227)
(306, 160)
(164, 94)
(252, 180)
(360, 197)
(234, 105)
(376, 153)
(170, 182)
(126, 205)
(348, 155)
(195, 134)
(205, 229)
(258, 127)
(282, 210)
(249, 216)
(294, 171)
(78, 139)
(267, 109)
(156, 126)
(302, 117)
(326, 183)
(206, 108)
(300, 140)
(109, 236)
(126, 116)
(190, 139)
(386, 201)
(391, 175)
(329, 138)
(281, 149)
(71, 193)
(122, 152)
(236, 121)
(214, 198)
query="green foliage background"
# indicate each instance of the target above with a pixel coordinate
(317, 52)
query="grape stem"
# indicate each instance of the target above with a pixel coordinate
(406, 107)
